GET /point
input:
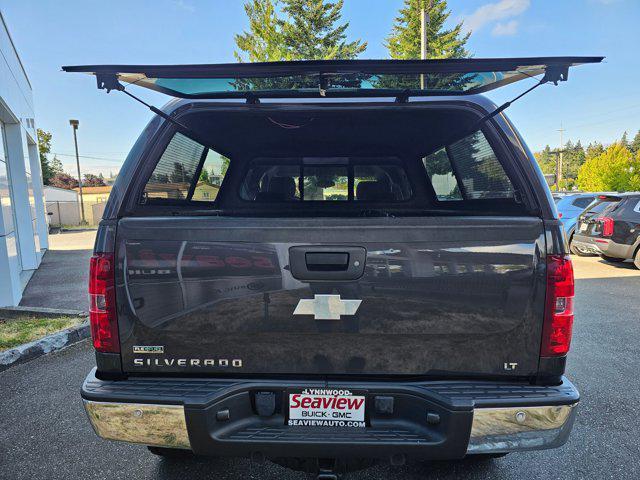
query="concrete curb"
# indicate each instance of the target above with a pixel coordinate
(55, 341)
(14, 312)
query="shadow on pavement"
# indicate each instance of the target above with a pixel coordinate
(227, 468)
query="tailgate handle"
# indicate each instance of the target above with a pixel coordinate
(326, 261)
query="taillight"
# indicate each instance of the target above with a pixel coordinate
(607, 226)
(558, 315)
(102, 310)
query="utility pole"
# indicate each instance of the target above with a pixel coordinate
(424, 28)
(559, 159)
(74, 124)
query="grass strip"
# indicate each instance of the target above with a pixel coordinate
(16, 331)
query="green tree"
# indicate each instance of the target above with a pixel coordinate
(204, 177)
(404, 40)
(625, 140)
(593, 150)
(64, 180)
(225, 166)
(312, 30)
(91, 180)
(547, 160)
(615, 169)
(572, 159)
(306, 30)
(180, 174)
(55, 166)
(635, 143)
(44, 147)
(263, 42)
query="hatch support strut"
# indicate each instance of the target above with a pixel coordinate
(506, 105)
(552, 73)
(109, 81)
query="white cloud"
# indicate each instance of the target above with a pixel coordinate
(504, 29)
(181, 4)
(492, 12)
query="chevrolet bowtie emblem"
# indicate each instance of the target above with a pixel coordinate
(326, 307)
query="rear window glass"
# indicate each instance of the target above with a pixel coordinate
(599, 206)
(380, 183)
(467, 170)
(582, 202)
(326, 180)
(174, 177)
(325, 183)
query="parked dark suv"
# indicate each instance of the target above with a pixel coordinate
(325, 262)
(614, 231)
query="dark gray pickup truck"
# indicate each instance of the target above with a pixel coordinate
(327, 262)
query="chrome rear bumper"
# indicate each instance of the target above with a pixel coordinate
(497, 430)
(493, 430)
(156, 425)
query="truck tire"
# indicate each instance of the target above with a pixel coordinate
(607, 258)
(170, 453)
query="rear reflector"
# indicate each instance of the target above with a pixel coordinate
(558, 315)
(607, 226)
(102, 310)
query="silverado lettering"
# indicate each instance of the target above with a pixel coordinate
(184, 362)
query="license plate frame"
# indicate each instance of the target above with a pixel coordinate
(326, 407)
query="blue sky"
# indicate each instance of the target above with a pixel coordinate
(598, 102)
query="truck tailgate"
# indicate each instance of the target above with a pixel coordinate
(431, 295)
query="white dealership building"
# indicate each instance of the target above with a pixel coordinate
(23, 225)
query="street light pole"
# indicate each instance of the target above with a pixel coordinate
(559, 164)
(424, 26)
(74, 124)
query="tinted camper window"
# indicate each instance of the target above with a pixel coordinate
(174, 177)
(467, 169)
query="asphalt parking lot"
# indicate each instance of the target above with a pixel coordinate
(44, 432)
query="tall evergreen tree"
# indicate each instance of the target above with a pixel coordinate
(625, 140)
(309, 31)
(573, 158)
(635, 143)
(263, 42)
(593, 150)
(313, 31)
(404, 40)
